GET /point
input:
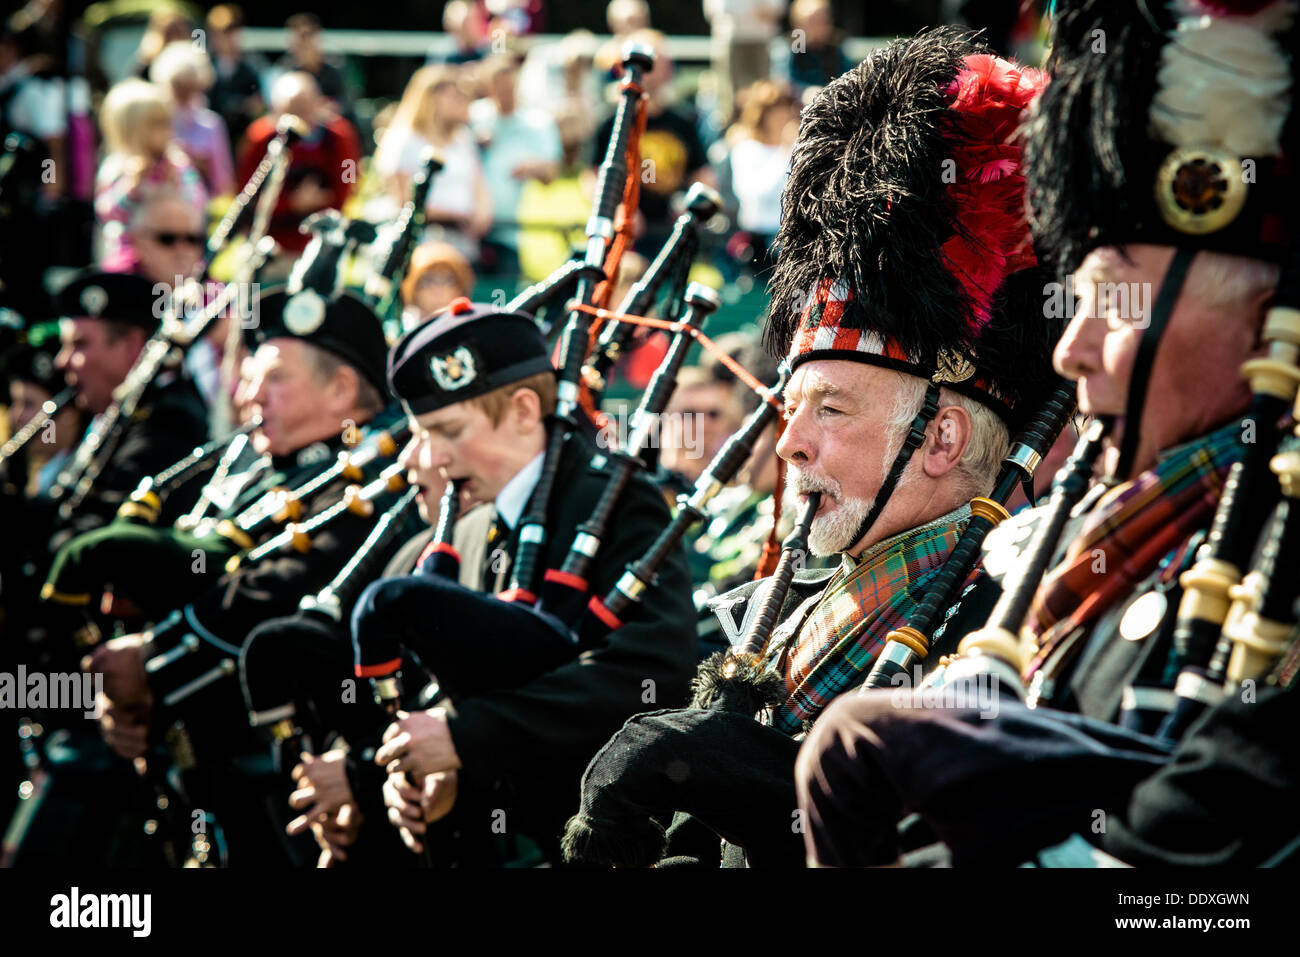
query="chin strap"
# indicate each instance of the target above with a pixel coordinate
(1170, 287)
(915, 436)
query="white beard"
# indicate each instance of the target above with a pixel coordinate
(836, 531)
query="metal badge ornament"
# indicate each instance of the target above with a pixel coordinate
(304, 312)
(1200, 190)
(952, 367)
(312, 454)
(94, 300)
(454, 371)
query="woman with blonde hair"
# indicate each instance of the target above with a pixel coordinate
(136, 120)
(187, 74)
(434, 112)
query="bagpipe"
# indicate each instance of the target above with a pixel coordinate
(593, 279)
(393, 615)
(132, 551)
(1235, 621)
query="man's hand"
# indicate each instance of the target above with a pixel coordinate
(418, 743)
(337, 833)
(125, 702)
(412, 809)
(404, 810)
(323, 789)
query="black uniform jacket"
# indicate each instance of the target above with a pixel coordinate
(537, 739)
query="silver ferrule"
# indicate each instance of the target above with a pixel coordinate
(187, 645)
(223, 670)
(1148, 699)
(1198, 688)
(585, 544)
(326, 603)
(258, 719)
(1025, 458)
(631, 586)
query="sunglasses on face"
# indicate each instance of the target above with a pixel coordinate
(171, 239)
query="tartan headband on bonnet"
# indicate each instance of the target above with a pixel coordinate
(904, 238)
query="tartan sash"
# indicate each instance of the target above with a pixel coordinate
(1128, 532)
(865, 600)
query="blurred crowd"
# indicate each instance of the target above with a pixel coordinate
(520, 122)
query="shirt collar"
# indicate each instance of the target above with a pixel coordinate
(514, 496)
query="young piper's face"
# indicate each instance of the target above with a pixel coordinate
(459, 442)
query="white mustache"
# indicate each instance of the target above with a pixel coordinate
(805, 484)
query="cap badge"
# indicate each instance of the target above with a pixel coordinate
(454, 371)
(304, 312)
(952, 367)
(1200, 190)
(94, 300)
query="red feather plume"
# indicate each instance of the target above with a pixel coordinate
(993, 241)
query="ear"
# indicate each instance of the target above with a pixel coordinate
(946, 439)
(344, 388)
(525, 410)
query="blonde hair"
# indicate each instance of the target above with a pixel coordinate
(181, 61)
(127, 107)
(415, 111)
(496, 402)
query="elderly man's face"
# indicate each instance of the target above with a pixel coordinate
(834, 443)
(296, 407)
(95, 359)
(1195, 381)
(169, 240)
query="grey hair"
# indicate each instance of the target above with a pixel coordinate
(989, 440)
(323, 364)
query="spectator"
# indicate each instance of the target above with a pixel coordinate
(814, 55)
(168, 236)
(187, 73)
(553, 214)
(306, 55)
(167, 24)
(465, 24)
(438, 274)
(672, 154)
(743, 31)
(624, 17)
(700, 417)
(434, 111)
(519, 144)
(136, 120)
(761, 143)
(322, 165)
(236, 94)
(558, 76)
